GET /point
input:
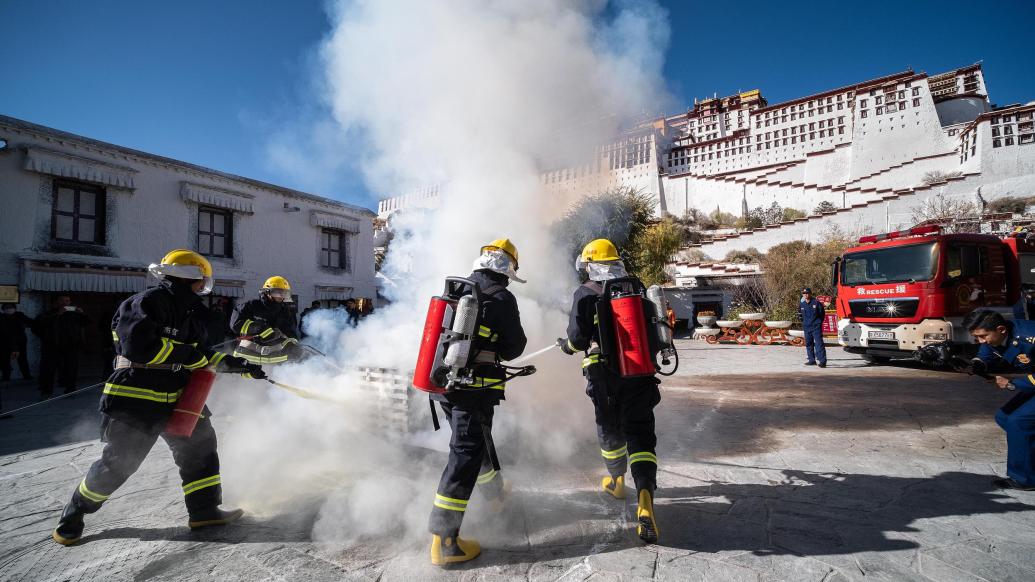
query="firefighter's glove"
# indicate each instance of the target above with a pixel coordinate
(254, 372)
(232, 365)
(566, 346)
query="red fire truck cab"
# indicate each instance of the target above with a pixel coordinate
(900, 291)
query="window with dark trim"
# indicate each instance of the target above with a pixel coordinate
(334, 249)
(215, 232)
(78, 213)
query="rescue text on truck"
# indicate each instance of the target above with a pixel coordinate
(900, 291)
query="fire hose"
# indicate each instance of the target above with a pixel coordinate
(11, 413)
(304, 393)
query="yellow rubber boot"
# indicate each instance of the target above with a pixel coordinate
(646, 527)
(615, 486)
(452, 549)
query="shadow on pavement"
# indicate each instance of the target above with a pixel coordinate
(807, 514)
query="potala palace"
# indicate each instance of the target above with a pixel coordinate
(866, 148)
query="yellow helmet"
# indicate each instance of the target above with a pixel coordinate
(277, 282)
(504, 245)
(598, 250)
(277, 286)
(184, 264)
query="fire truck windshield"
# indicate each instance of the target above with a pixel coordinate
(907, 263)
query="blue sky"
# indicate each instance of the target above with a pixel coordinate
(210, 81)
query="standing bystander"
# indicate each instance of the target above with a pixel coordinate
(61, 336)
(13, 341)
(812, 314)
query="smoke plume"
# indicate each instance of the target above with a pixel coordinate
(479, 98)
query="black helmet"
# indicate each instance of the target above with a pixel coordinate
(806, 290)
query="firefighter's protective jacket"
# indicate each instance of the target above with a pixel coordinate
(271, 328)
(499, 336)
(162, 327)
(582, 319)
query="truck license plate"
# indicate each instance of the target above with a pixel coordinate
(889, 335)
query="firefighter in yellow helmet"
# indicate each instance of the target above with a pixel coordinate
(160, 339)
(267, 328)
(624, 407)
(469, 411)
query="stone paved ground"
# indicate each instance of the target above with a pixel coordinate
(769, 471)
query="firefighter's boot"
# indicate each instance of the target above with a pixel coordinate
(452, 549)
(70, 526)
(646, 527)
(214, 516)
(615, 486)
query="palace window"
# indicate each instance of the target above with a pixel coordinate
(78, 213)
(334, 249)
(879, 100)
(862, 102)
(863, 113)
(916, 102)
(880, 110)
(916, 91)
(215, 238)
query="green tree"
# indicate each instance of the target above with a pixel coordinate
(652, 249)
(792, 214)
(823, 207)
(749, 255)
(792, 265)
(620, 215)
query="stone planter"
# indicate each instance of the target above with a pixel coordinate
(796, 333)
(778, 324)
(729, 323)
(752, 316)
(706, 321)
(705, 331)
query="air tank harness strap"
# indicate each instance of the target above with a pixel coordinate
(510, 372)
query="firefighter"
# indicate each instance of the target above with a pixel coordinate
(470, 410)
(266, 327)
(624, 407)
(157, 334)
(1011, 343)
(812, 314)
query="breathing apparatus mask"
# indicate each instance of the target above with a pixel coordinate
(601, 270)
(497, 261)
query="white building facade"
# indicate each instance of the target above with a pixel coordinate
(84, 218)
(869, 148)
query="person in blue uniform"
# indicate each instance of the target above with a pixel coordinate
(1010, 344)
(1025, 306)
(812, 314)
(159, 339)
(469, 411)
(623, 407)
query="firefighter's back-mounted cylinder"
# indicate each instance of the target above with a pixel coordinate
(633, 328)
(445, 345)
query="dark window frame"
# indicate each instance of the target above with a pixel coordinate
(227, 235)
(341, 250)
(99, 215)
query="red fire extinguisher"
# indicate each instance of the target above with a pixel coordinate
(446, 341)
(625, 339)
(188, 408)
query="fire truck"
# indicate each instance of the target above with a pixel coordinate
(898, 292)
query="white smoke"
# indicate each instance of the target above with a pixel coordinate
(480, 97)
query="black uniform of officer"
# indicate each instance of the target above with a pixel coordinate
(157, 333)
(469, 410)
(623, 407)
(269, 325)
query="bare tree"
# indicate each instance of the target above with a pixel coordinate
(955, 214)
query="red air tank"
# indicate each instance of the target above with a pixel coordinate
(429, 354)
(632, 344)
(188, 408)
